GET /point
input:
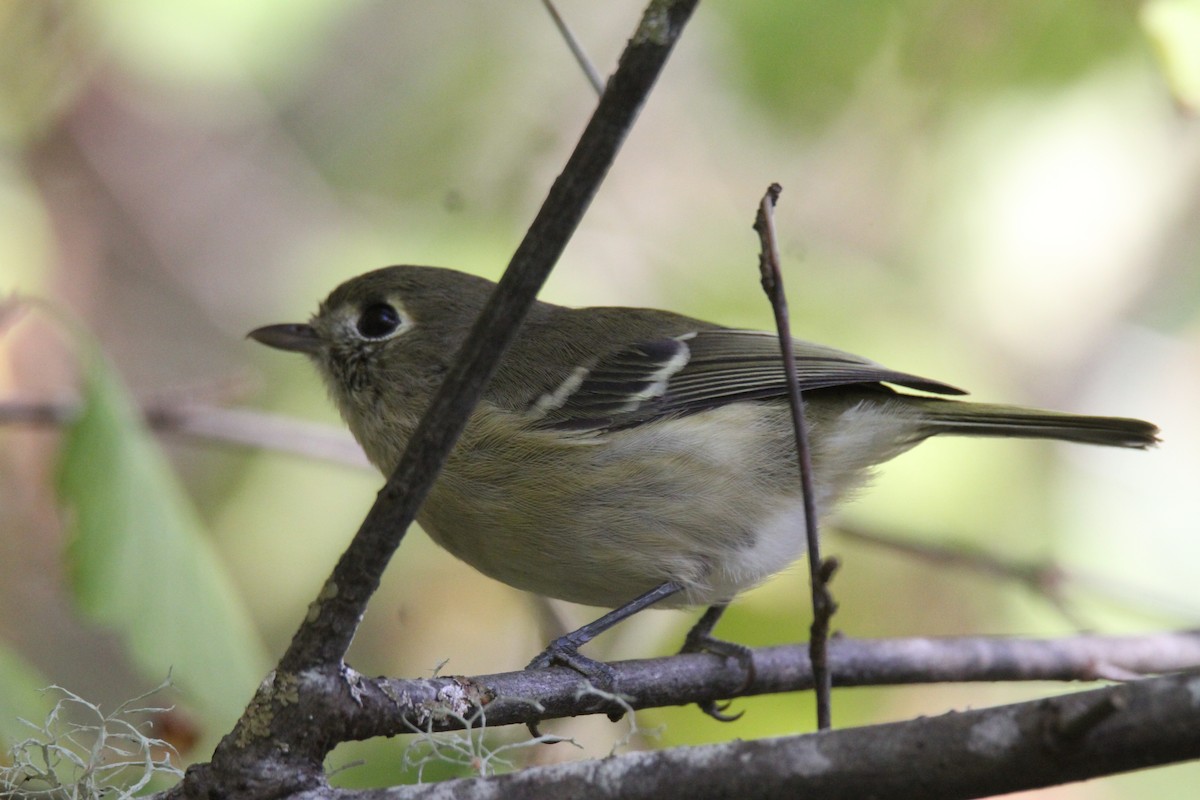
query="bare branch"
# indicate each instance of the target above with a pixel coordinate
(957, 755)
(819, 571)
(234, 426)
(387, 706)
(1048, 580)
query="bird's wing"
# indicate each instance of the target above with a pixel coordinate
(697, 371)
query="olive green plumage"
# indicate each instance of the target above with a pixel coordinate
(619, 448)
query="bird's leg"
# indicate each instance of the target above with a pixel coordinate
(700, 640)
(565, 649)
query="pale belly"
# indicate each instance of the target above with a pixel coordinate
(710, 501)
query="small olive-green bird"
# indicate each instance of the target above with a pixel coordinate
(626, 456)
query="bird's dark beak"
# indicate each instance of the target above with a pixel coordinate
(297, 338)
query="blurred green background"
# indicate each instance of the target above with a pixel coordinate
(1005, 196)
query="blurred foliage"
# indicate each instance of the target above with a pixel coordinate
(803, 61)
(39, 69)
(193, 43)
(1001, 195)
(1174, 28)
(140, 563)
(21, 698)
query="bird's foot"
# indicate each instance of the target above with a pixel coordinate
(565, 651)
(700, 640)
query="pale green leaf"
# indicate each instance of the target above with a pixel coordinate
(140, 561)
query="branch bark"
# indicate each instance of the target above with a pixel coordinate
(956, 755)
(390, 706)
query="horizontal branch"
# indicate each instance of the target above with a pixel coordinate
(956, 755)
(387, 706)
(242, 427)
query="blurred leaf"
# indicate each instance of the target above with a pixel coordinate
(1174, 28)
(212, 42)
(990, 47)
(21, 697)
(140, 562)
(804, 59)
(39, 72)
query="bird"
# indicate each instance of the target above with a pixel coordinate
(627, 457)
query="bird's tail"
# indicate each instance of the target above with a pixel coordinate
(981, 419)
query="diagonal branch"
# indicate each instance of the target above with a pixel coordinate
(326, 633)
(274, 746)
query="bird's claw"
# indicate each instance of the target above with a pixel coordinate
(700, 641)
(716, 710)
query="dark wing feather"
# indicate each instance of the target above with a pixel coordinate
(698, 371)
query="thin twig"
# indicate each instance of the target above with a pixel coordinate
(819, 571)
(585, 63)
(1046, 580)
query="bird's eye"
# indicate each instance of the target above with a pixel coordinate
(378, 320)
